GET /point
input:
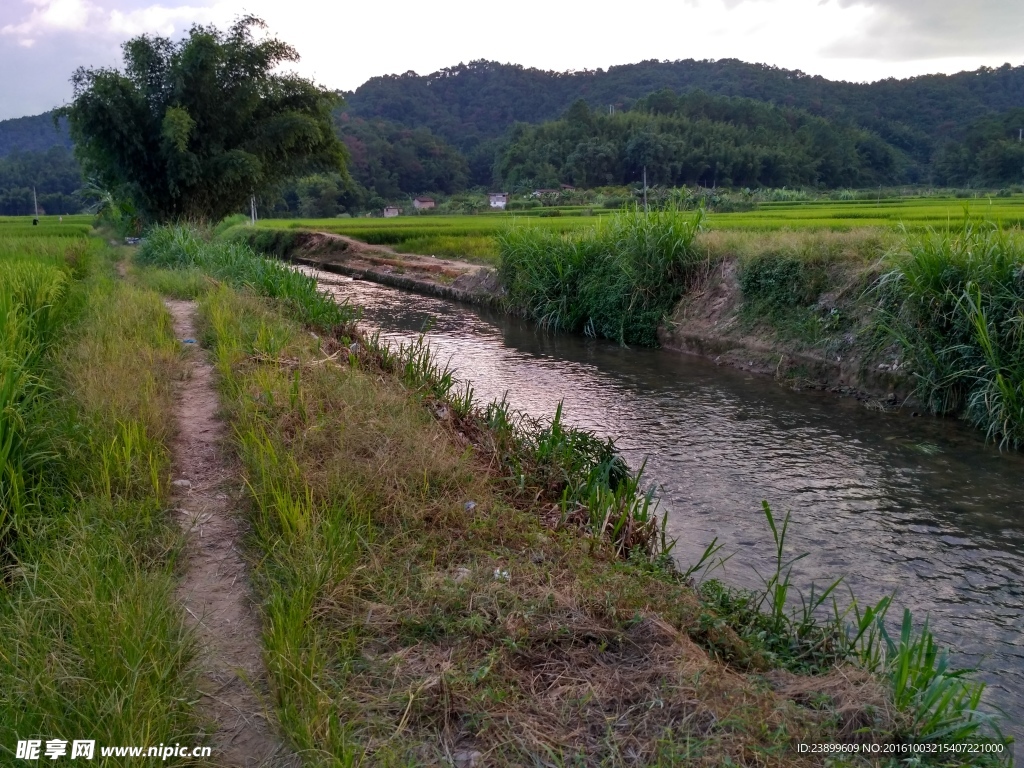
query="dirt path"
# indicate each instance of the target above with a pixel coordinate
(215, 589)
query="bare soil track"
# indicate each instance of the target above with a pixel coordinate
(215, 589)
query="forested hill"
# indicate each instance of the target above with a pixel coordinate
(474, 102)
(689, 122)
(31, 134)
(36, 156)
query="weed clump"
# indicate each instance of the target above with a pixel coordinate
(954, 301)
(615, 280)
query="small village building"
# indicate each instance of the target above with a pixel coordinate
(498, 199)
(423, 203)
(391, 211)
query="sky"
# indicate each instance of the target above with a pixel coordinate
(344, 43)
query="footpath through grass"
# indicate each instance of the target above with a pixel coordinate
(92, 645)
(447, 583)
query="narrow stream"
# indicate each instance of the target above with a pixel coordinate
(895, 503)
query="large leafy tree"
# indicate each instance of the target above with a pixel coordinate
(191, 129)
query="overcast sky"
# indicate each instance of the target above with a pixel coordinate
(343, 43)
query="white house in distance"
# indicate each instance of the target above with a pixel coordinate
(498, 199)
(391, 211)
(423, 203)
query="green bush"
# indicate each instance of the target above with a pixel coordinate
(617, 279)
(954, 300)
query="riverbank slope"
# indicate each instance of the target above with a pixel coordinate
(823, 341)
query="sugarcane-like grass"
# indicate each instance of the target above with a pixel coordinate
(954, 301)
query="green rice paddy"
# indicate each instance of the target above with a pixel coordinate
(472, 236)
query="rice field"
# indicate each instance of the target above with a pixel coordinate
(472, 237)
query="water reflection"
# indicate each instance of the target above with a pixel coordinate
(915, 505)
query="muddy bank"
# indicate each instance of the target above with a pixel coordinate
(710, 321)
(446, 278)
(714, 322)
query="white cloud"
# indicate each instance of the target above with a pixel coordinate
(54, 15)
(157, 19)
(87, 18)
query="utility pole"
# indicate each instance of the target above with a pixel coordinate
(252, 208)
(35, 204)
(645, 190)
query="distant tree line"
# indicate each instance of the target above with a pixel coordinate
(472, 104)
(724, 123)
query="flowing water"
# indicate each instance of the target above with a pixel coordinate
(893, 502)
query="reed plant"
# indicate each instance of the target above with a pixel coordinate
(812, 634)
(617, 279)
(954, 301)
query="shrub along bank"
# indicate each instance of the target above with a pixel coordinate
(443, 582)
(616, 280)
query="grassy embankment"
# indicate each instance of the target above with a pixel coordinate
(92, 645)
(442, 581)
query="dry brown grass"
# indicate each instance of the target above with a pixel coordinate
(862, 246)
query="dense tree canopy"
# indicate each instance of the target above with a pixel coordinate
(471, 102)
(991, 153)
(696, 139)
(389, 160)
(53, 174)
(191, 129)
(33, 134)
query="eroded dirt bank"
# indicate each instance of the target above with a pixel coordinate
(711, 321)
(448, 278)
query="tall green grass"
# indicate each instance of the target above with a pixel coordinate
(92, 643)
(954, 301)
(31, 297)
(616, 280)
(238, 265)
